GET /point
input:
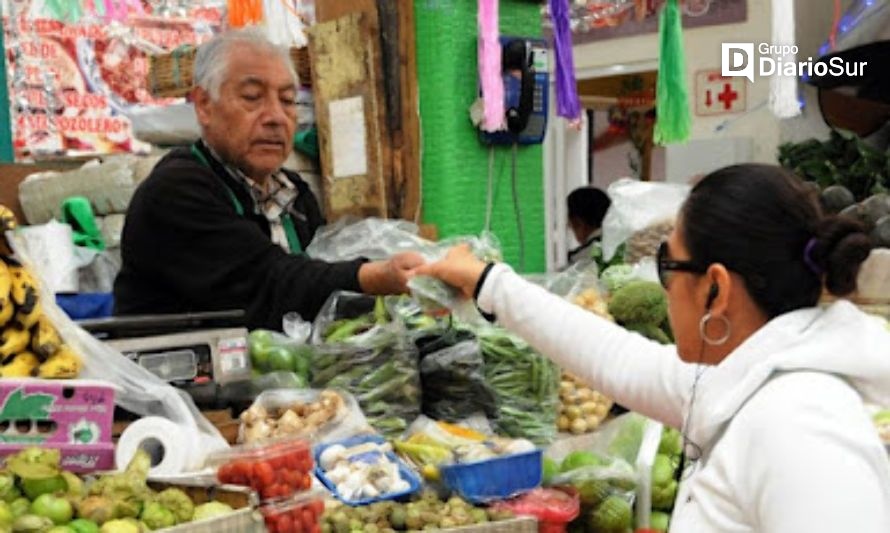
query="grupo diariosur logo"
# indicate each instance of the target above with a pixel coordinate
(739, 59)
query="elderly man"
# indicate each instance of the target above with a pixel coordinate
(220, 225)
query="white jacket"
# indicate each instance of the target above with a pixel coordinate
(787, 446)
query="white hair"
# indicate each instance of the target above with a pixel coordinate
(212, 59)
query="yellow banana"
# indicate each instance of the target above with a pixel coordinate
(13, 341)
(6, 312)
(24, 288)
(25, 318)
(8, 220)
(65, 364)
(45, 339)
(5, 282)
(22, 366)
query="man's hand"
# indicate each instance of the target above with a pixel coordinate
(460, 269)
(389, 277)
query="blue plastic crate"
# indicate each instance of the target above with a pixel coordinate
(495, 479)
(407, 474)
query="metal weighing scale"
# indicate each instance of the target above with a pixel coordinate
(205, 354)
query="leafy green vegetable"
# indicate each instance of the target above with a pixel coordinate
(844, 159)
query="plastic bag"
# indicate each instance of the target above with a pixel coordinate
(138, 390)
(51, 246)
(97, 270)
(525, 385)
(379, 239)
(307, 419)
(452, 371)
(624, 449)
(296, 328)
(167, 125)
(359, 349)
(635, 206)
(438, 297)
(372, 238)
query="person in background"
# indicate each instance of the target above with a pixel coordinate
(220, 225)
(767, 387)
(587, 208)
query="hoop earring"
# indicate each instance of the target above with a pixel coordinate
(703, 326)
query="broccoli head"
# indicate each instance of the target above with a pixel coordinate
(639, 302)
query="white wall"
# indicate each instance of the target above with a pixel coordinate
(703, 48)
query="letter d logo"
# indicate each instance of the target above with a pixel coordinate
(738, 60)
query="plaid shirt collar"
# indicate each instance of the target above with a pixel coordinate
(271, 199)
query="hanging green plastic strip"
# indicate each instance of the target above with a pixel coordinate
(672, 95)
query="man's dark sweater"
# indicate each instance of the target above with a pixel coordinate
(185, 248)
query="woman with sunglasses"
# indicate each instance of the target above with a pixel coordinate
(767, 388)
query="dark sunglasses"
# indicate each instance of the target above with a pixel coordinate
(665, 265)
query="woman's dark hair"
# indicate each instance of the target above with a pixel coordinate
(763, 223)
(589, 205)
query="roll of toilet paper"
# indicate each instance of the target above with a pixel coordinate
(170, 445)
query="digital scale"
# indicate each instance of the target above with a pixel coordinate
(205, 354)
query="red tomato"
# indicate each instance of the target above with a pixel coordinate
(224, 474)
(284, 523)
(263, 473)
(317, 507)
(292, 461)
(293, 479)
(278, 461)
(307, 482)
(315, 529)
(308, 517)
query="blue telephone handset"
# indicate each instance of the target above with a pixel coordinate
(526, 79)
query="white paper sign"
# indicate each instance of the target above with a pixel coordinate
(347, 120)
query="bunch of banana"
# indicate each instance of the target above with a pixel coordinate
(29, 344)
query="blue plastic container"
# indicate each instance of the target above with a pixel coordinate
(495, 479)
(404, 471)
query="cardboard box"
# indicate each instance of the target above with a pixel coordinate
(73, 416)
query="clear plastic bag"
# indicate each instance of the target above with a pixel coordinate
(614, 472)
(452, 371)
(138, 390)
(637, 205)
(379, 239)
(359, 349)
(52, 247)
(436, 296)
(309, 419)
(373, 238)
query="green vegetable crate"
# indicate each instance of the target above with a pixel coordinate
(245, 519)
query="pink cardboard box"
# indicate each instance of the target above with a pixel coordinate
(73, 416)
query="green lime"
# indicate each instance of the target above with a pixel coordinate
(551, 469)
(6, 516)
(280, 358)
(301, 363)
(578, 459)
(20, 507)
(36, 487)
(84, 526)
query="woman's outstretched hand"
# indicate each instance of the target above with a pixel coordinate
(460, 269)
